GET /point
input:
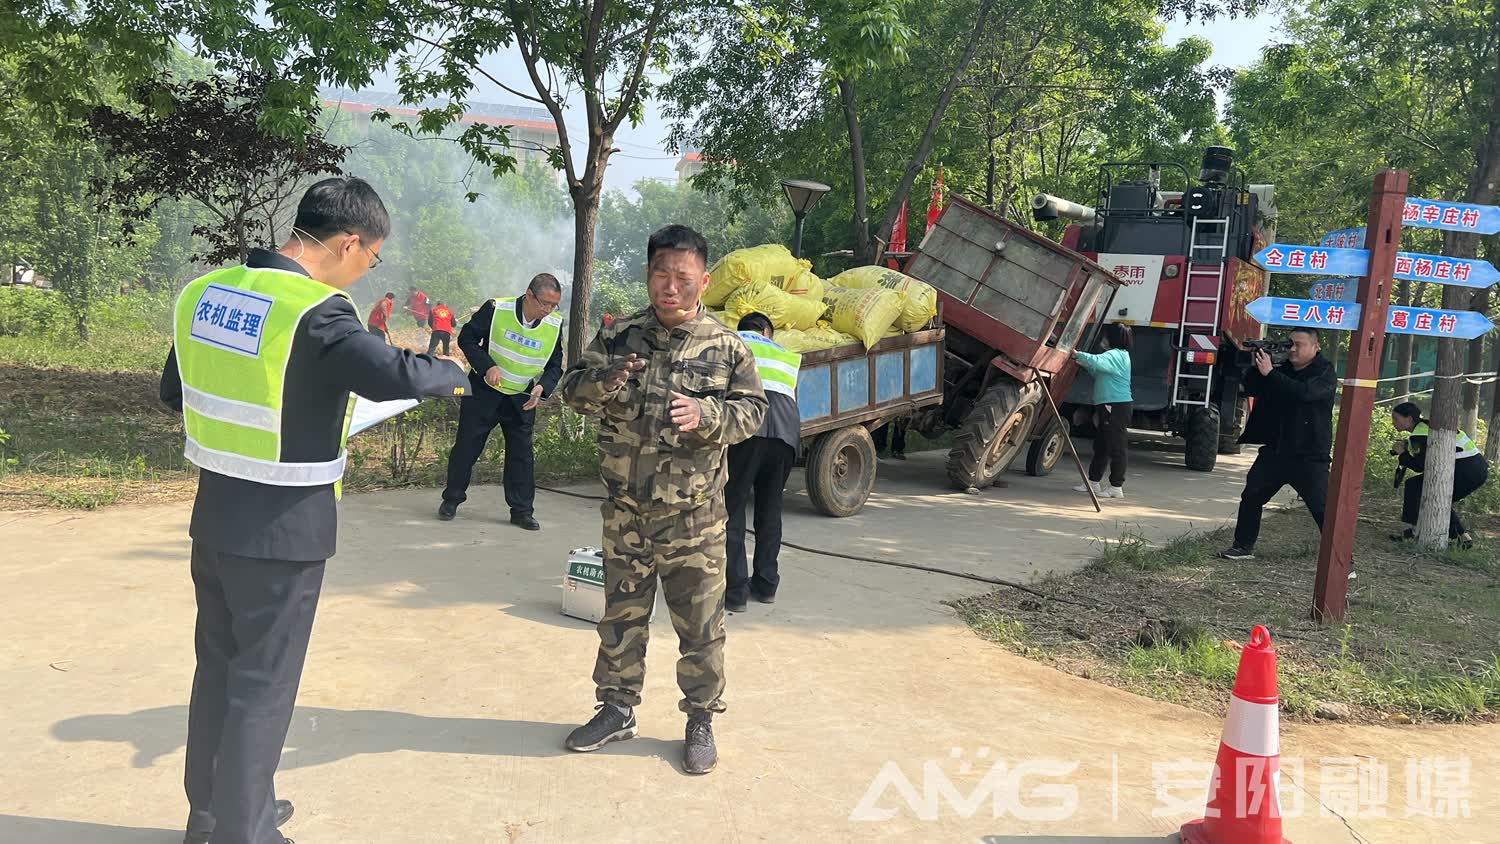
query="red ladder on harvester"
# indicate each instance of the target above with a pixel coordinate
(1208, 247)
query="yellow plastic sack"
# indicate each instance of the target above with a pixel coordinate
(804, 284)
(771, 263)
(919, 299)
(812, 340)
(866, 314)
(721, 317)
(783, 309)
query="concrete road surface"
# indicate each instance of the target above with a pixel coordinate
(442, 680)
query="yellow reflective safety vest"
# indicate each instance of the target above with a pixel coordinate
(777, 366)
(520, 352)
(233, 335)
(1463, 445)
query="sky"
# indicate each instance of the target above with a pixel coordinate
(643, 155)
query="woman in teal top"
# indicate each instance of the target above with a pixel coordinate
(1112, 405)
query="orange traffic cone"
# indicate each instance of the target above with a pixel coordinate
(1243, 806)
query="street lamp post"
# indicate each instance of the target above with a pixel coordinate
(802, 195)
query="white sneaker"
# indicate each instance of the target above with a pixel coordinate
(1098, 490)
(1115, 492)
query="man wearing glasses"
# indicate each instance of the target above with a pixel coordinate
(265, 357)
(514, 351)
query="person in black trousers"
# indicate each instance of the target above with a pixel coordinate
(492, 402)
(758, 471)
(1470, 471)
(262, 529)
(1293, 423)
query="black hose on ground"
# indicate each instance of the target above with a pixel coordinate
(876, 560)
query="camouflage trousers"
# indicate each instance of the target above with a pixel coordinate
(683, 550)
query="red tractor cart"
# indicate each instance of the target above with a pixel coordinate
(1014, 306)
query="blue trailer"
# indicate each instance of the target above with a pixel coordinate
(846, 392)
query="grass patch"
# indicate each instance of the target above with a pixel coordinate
(1162, 619)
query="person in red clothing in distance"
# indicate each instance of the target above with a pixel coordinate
(416, 305)
(441, 322)
(380, 317)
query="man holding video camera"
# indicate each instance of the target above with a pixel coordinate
(1292, 421)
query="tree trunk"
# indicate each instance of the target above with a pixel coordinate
(934, 122)
(585, 218)
(1469, 420)
(1437, 486)
(1447, 400)
(863, 253)
(81, 320)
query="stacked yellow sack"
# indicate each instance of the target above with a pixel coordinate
(784, 309)
(812, 339)
(865, 314)
(770, 263)
(918, 298)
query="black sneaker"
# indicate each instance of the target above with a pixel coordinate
(1235, 552)
(699, 756)
(732, 605)
(763, 597)
(284, 811)
(608, 724)
(1404, 536)
(447, 510)
(525, 522)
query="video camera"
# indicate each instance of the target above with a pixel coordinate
(1277, 349)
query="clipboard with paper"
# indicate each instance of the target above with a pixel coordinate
(367, 414)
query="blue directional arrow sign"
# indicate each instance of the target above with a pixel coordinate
(1274, 310)
(1334, 289)
(1450, 216)
(1324, 260)
(1313, 260)
(1433, 322)
(1430, 322)
(1459, 272)
(1344, 239)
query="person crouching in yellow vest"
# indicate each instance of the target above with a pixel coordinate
(759, 468)
(265, 357)
(514, 351)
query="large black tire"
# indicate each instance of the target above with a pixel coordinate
(1045, 451)
(1229, 443)
(993, 433)
(1202, 437)
(841, 471)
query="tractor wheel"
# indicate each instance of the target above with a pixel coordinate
(1045, 451)
(841, 471)
(993, 434)
(1202, 437)
(1229, 443)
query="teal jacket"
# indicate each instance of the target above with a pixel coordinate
(1111, 371)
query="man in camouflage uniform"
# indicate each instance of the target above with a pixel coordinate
(673, 389)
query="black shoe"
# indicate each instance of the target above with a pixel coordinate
(1235, 552)
(732, 605)
(608, 724)
(763, 597)
(898, 456)
(283, 814)
(1404, 535)
(699, 756)
(525, 522)
(447, 510)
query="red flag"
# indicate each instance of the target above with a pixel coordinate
(898, 231)
(935, 207)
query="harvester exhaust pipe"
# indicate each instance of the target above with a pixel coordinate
(1045, 206)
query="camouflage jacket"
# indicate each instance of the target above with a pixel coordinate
(643, 459)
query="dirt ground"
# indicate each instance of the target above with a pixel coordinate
(442, 680)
